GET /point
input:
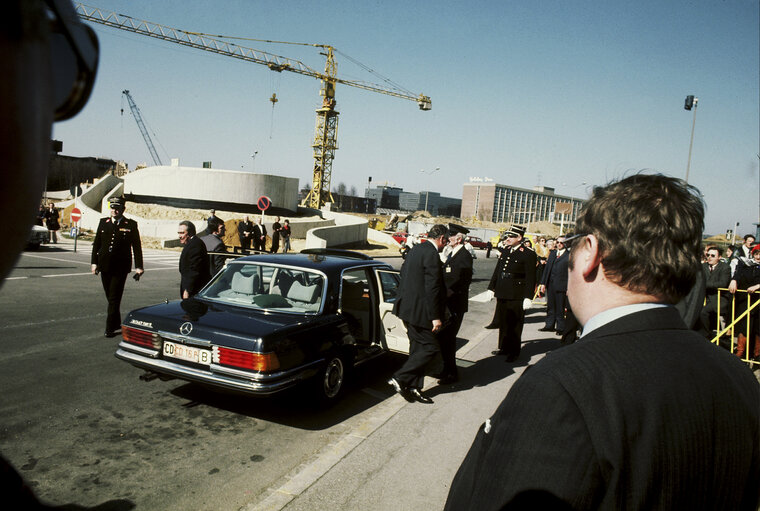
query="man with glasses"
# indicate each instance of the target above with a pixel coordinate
(717, 275)
(641, 412)
(116, 239)
(421, 306)
(513, 283)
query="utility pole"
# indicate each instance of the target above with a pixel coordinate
(689, 104)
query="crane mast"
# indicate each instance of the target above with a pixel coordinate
(325, 134)
(141, 125)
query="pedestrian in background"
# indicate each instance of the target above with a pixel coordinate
(554, 285)
(717, 276)
(116, 240)
(261, 236)
(51, 222)
(276, 228)
(215, 243)
(245, 233)
(285, 233)
(193, 261)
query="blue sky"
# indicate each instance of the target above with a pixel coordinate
(553, 93)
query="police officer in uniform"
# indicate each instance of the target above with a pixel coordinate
(116, 240)
(513, 284)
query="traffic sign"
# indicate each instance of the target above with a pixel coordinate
(76, 215)
(264, 202)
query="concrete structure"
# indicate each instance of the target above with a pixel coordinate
(501, 203)
(198, 188)
(348, 229)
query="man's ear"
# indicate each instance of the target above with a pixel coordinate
(588, 256)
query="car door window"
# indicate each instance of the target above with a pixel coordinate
(356, 304)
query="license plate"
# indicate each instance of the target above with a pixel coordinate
(188, 353)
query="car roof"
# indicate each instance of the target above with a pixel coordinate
(324, 263)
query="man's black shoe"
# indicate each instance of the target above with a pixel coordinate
(109, 333)
(545, 329)
(498, 352)
(491, 326)
(400, 389)
(416, 394)
(512, 358)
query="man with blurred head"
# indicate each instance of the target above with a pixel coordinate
(214, 242)
(36, 89)
(554, 286)
(641, 412)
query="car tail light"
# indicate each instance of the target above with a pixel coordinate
(141, 337)
(250, 360)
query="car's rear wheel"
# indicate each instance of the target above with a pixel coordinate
(331, 381)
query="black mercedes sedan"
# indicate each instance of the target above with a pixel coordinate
(268, 322)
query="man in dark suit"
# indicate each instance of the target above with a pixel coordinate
(245, 233)
(641, 412)
(260, 235)
(116, 239)
(457, 275)
(717, 275)
(554, 285)
(214, 242)
(420, 305)
(513, 283)
(193, 261)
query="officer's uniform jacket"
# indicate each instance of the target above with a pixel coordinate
(457, 275)
(514, 277)
(113, 246)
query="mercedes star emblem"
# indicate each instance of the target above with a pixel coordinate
(186, 328)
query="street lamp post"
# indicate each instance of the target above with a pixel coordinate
(689, 104)
(427, 192)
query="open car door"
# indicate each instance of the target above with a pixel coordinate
(393, 336)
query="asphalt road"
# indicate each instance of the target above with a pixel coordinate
(81, 427)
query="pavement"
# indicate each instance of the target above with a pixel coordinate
(403, 455)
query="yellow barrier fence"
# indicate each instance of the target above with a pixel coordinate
(734, 319)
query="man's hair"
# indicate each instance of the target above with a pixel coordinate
(437, 231)
(714, 247)
(649, 229)
(190, 227)
(214, 224)
(746, 236)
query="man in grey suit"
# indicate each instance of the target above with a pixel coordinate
(421, 306)
(641, 412)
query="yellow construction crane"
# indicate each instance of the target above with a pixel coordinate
(325, 135)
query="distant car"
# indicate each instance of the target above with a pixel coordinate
(266, 323)
(400, 237)
(476, 242)
(37, 237)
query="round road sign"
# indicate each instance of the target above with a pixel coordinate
(76, 215)
(264, 202)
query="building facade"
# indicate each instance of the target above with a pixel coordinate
(501, 203)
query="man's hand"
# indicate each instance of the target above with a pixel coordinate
(732, 287)
(139, 271)
(185, 295)
(94, 269)
(541, 288)
(437, 325)
(754, 288)
(527, 302)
